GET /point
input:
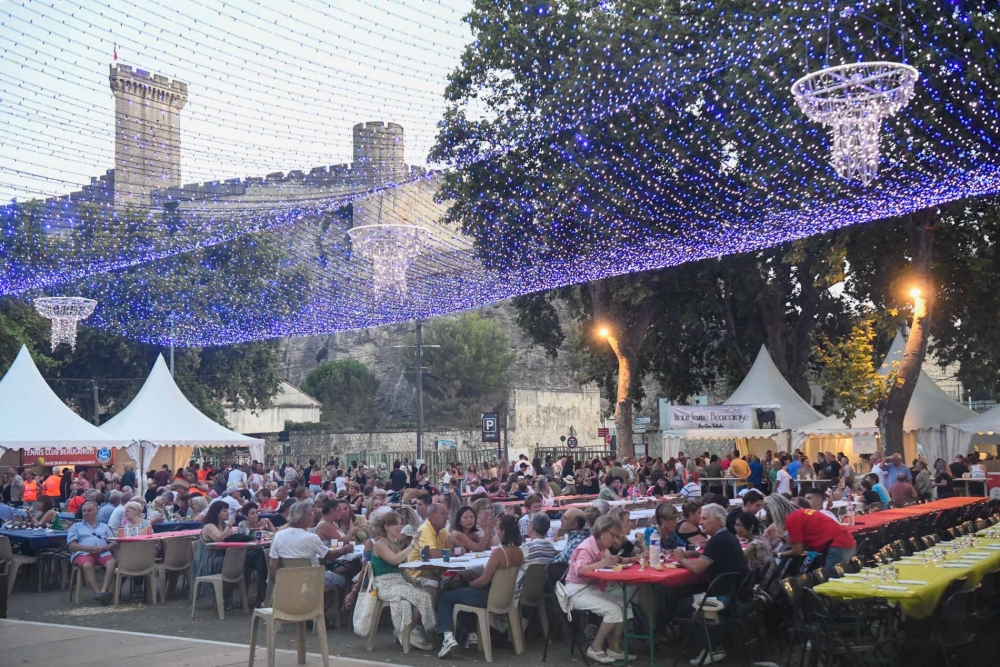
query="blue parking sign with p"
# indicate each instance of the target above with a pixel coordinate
(491, 427)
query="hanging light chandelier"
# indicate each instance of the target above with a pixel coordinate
(853, 100)
(65, 312)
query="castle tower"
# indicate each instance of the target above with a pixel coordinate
(147, 133)
(378, 151)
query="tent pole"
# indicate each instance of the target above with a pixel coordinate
(97, 415)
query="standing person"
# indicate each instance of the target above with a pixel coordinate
(942, 480)
(128, 477)
(812, 530)
(846, 471)
(397, 478)
(51, 488)
(66, 485)
(30, 488)
(782, 480)
(958, 467)
(922, 482)
(87, 541)
(162, 477)
(976, 469)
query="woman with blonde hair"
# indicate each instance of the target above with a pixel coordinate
(778, 508)
(133, 524)
(409, 604)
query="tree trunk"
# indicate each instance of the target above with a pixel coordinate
(898, 400)
(623, 407)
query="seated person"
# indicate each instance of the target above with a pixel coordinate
(45, 513)
(538, 548)
(689, 529)
(586, 595)
(434, 537)
(508, 556)
(467, 535)
(295, 541)
(88, 546)
(722, 554)
(665, 521)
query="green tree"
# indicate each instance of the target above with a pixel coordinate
(348, 391)
(852, 377)
(467, 373)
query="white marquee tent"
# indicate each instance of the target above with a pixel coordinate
(763, 385)
(164, 427)
(958, 436)
(33, 418)
(930, 408)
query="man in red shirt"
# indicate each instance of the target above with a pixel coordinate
(812, 530)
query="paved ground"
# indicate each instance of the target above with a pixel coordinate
(26, 643)
(173, 620)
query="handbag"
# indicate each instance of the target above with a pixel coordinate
(367, 603)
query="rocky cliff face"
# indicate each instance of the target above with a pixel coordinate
(383, 350)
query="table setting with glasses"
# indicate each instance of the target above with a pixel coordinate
(918, 582)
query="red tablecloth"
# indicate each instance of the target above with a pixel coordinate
(634, 575)
(263, 544)
(160, 536)
(877, 519)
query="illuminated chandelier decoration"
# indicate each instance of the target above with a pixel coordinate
(391, 249)
(65, 312)
(853, 99)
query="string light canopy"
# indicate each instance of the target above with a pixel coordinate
(853, 100)
(65, 312)
(591, 144)
(391, 250)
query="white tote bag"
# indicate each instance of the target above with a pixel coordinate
(367, 603)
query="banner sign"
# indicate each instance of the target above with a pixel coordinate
(446, 445)
(725, 416)
(64, 456)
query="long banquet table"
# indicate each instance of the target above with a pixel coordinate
(878, 519)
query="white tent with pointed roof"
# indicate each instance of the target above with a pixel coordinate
(160, 416)
(929, 410)
(763, 385)
(33, 418)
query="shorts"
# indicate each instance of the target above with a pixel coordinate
(589, 597)
(94, 559)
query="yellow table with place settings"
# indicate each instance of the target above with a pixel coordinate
(923, 577)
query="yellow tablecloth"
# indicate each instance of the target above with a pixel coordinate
(920, 600)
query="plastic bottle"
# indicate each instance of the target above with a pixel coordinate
(850, 510)
(654, 550)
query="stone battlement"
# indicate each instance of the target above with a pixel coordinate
(124, 75)
(297, 182)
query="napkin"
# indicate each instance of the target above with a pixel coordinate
(959, 566)
(892, 588)
(913, 582)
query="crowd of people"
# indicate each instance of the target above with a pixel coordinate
(326, 513)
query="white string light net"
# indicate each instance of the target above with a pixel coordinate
(65, 312)
(853, 99)
(391, 250)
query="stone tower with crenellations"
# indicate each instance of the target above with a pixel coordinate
(147, 134)
(378, 150)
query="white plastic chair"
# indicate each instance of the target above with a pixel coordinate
(136, 559)
(232, 573)
(502, 603)
(298, 597)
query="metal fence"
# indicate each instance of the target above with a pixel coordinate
(578, 454)
(436, 460)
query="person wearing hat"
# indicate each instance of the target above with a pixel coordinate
(233, 497)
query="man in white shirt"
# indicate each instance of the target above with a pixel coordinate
(237, 476)
(295, 541)
(115, 522)
(233, 498)
(879, 469)
(783, 481)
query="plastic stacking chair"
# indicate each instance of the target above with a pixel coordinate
(533, 597)
(283, 562)
(500, 602)
(136, 559)
(232, 573)
(177, 557)
(14, 561)
(298, 597)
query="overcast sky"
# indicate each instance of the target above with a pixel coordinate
(272, 85)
